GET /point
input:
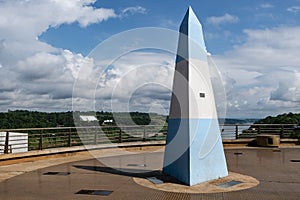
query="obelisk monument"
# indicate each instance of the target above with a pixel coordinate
(194, 152)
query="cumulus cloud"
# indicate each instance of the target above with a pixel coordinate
(288, 89)
(227, 18)
(42, 78)
(137, 81)
(21, 22)
(263, 72)
(134, 79)
(34, 74)
(267, 49)
(37, 16)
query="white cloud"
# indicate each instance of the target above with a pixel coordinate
(294, 9)
(34, 74)
(288, 88)
(37, 16)
(264, 71)
(227, 18)
(21, 22)
(137, 81)
(132, 10)
(262, 49)
(137, 77)
(43, 81)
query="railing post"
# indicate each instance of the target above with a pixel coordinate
(144, 134)
(6, 145)
(259, 130)
(95, 137)
(69, 138)
(236, 131)
(41, 141)
(281, 131)
(120, 136)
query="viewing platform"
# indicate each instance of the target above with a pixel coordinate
(129, 169)
(74, 173)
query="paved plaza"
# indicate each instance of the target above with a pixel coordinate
(115, 173)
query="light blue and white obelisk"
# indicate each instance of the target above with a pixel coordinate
(194, 152)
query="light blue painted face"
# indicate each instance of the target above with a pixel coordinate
(197, 48)
(194, 151)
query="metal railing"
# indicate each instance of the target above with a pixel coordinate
(18, 140)
(12, 140)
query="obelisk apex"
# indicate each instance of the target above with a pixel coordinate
(194, 152)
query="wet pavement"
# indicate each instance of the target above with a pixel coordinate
(277, 170)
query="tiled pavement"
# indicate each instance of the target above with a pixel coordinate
(278, 171)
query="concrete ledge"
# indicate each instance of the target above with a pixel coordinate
(74, 149)
(290, 141)
(238, 143)
(244, 142)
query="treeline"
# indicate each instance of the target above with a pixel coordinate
(286, 118)
(123, 118)
(33, 119)
(237, 121)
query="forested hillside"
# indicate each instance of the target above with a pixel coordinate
(285, 118)
(34, 119)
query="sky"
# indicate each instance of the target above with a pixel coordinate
(46, 47)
